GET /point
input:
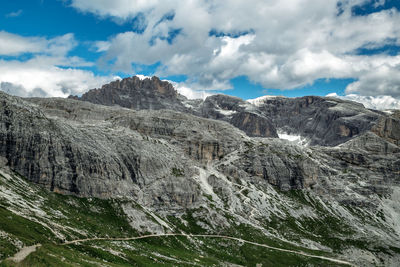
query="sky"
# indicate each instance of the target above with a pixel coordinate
(343, 48)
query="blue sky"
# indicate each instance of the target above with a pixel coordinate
(291, 48)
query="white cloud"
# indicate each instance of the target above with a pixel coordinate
(14, 14)
(49, 71)
(52, 73)
(118, 8)
(384, 79)
(188, 92)
(29, 79)
(12, 44)
(15, 45)
(379, 3)
(382, 102)
(288, 43)
(102, 46)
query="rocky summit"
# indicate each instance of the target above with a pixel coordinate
(136, 93)
(134, 173)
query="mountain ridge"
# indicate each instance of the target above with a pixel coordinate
(333, 120)
(211, 169)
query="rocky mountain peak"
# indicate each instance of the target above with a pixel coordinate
(136, 93)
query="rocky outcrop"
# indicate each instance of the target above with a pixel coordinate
(372, 143)
(389, 129)
(137, 94)
(280, 164)
(239, 113)
(89, 156)
(253, 124)
(324, 121)
(203, 140)
(154, 94)
(221, 106)
(80, 148)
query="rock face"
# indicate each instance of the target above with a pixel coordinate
(76, 147)
(324, 121)
(253, 124)
(388, 128)
(85, 149)
(153, 94)
(136, 93)
(90, 158)
(220, 156)
(239, 113)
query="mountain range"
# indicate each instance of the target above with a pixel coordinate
(308, 181)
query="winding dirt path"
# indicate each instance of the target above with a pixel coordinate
(23, 253)
(213, 236)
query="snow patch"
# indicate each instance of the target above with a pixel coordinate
(297, 139)
(261, 100)
(226, 112)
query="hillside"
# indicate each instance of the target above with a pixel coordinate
(213, 173)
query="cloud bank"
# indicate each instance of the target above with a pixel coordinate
(284, 44)
(48, 71)
(281, 44)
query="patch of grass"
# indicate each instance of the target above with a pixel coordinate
(98, 217)
(7, 249)
(25, 230)
(191, 226)
(325, 228)
(55, 255)
(166, 251)
(19, 229)
(249, 145)
(102, 218)
(381, 215)
(245, 192)
(209, 197)
(177, 172)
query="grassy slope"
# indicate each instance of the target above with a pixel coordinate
(81, 218)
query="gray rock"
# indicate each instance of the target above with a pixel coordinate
(168, 161)
(239, 113)
(135, 93)
(388, 128)
(324, 121)
(154, 94)
(91, 150)
(90, 156)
